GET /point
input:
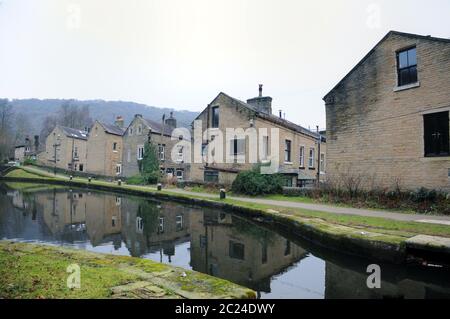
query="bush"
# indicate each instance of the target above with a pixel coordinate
(29, 161)
(254, 183)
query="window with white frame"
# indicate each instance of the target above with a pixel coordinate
(287, 151)
(302, 156)
(161, 151)
(140, 152)
(179, 222)
(180, 153)
(118, 169)
(311, 157)
(161, 225)
(180, 174)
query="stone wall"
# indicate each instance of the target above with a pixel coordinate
(375, 131)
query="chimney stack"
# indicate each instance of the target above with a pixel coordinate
(119, 121)
(261, 103)
(281, 113)
(171, 121)
(36, 143)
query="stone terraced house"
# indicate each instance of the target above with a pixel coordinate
(300, 160)
(142, 130)
(65, 148)
(388, 119)
(104, 148)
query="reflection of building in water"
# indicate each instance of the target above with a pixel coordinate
(18, 199)
(229, 247)
(72, 214)
(347, 283)
(151, 227)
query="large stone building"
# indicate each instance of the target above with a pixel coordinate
(297, 148)
(65, 148)
(142, 130)
(104, 148)
(388, 119)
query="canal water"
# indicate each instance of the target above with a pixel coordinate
(245, 251)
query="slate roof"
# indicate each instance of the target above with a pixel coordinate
(157, 127)
(74, 133)
(113, 129)
(275, 119)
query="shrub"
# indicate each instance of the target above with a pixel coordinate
(254, 183)
(29, 161)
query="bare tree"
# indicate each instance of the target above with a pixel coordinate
(22, 127)
(70, 115)
(6, 115)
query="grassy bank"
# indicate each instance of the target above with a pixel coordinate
(38, 271)
(373, 237)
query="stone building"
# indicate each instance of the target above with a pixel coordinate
(298, 148)
(65, 148)
(388, 119)
(104, 148)
(142, 130)
(28, 149)
(228, 247)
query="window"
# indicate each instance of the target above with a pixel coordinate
(311, 157)
(215, 117)
(161, 225)
(140, 152)
(139, 130)
(237, 147)
(180, 174)
(302, 156)
(129, 156)
(265, 148)
(81, 167)
(264, 252)
(436, 134)
(118, 169)
(287, 248)
(180, 156)
(237, 250)
(75, 152)
(211, 176)
(161, 151)
(407, 66)
(204, 149)
(131, 131)
(288, 182)
(115, 146)
(322, 163)
(179, 222)
(287, 151)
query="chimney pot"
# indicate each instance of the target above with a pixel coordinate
(260, 90)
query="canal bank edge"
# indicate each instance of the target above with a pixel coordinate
(43, 271)
(347, 240)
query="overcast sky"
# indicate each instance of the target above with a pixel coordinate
(182, 53)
